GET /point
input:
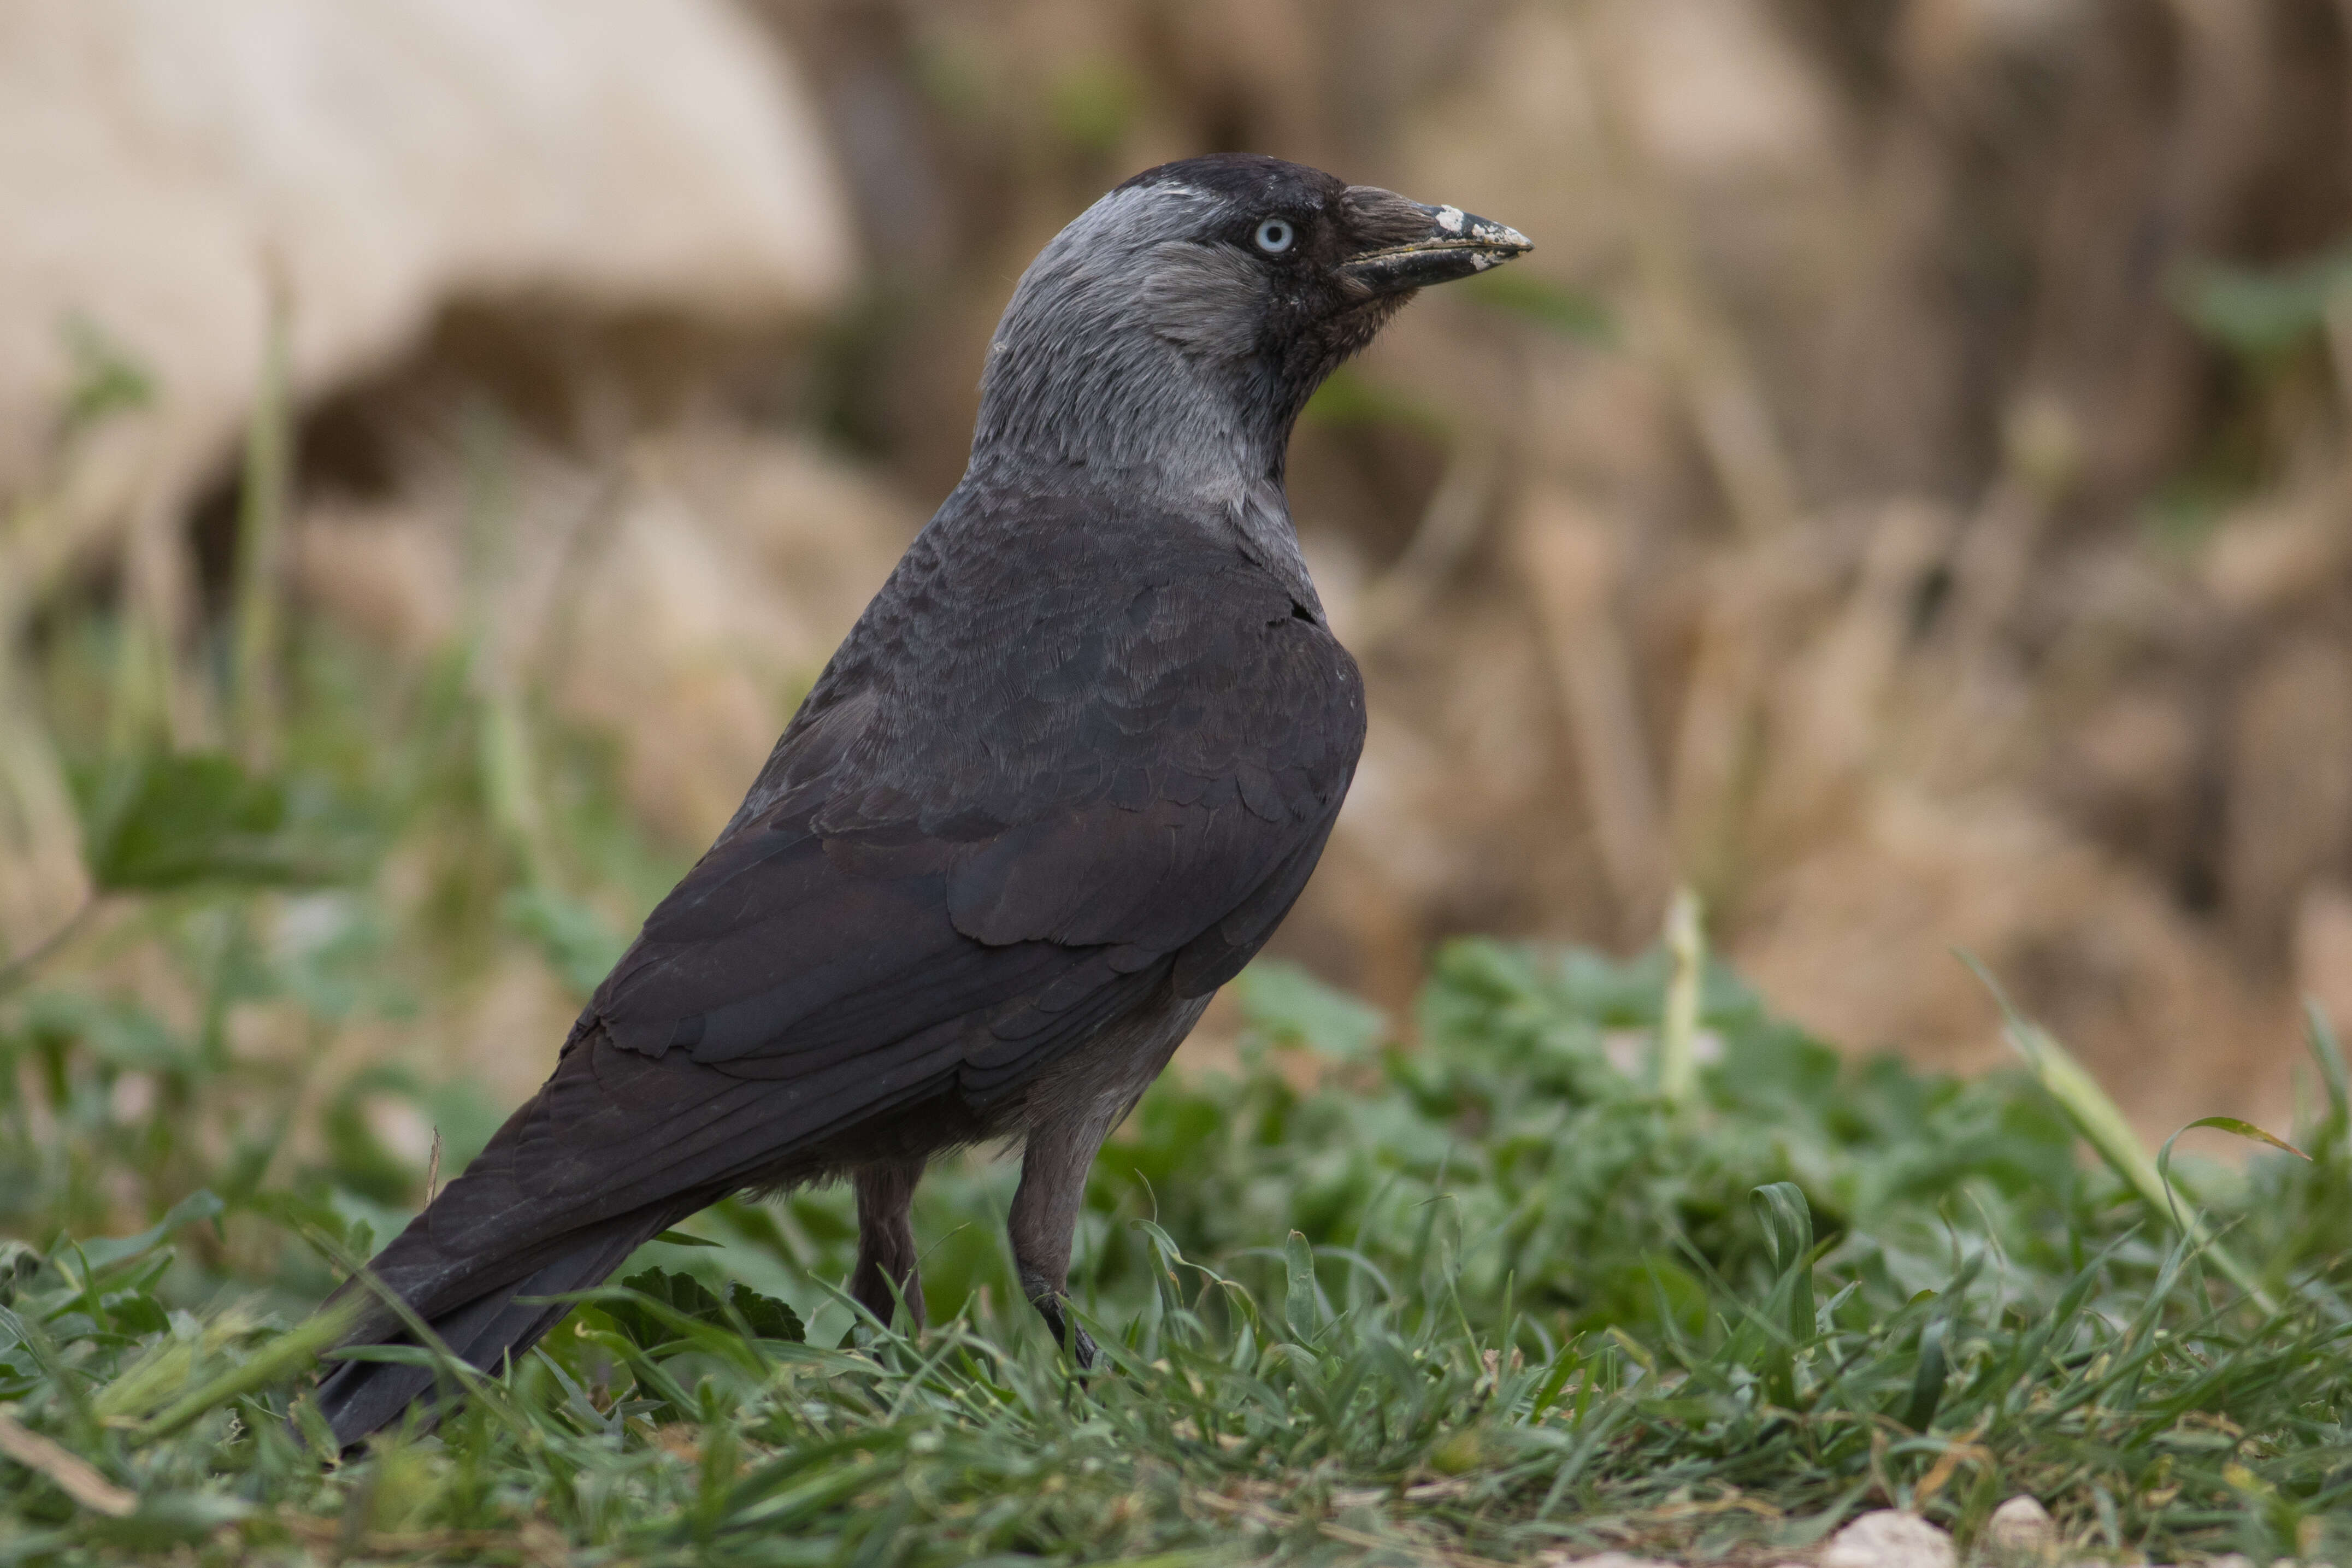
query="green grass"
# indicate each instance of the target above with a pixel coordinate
(1487, 1295)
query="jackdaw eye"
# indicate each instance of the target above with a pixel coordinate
(1273, 235)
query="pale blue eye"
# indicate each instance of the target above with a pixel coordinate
(1273, 235)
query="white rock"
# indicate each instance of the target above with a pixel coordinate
(161, 163)
(1890, 1538)
(2020, 1527)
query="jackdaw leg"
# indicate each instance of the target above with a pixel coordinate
(886, 1240)
(1044, 1220)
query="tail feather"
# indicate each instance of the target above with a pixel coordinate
(506, 1227)
(363, 1396)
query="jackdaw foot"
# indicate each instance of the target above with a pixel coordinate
(1060, 1150)
(1055, 1307)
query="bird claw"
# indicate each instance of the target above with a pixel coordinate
(1054, 1307)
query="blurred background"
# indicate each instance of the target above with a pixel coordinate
(1904, 497)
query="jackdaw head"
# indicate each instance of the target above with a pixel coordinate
(1173, 330)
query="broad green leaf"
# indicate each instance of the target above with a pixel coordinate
(104, 1251)
(682, 1293)
(1289, 1006)
(766, 1317)
(164, 821)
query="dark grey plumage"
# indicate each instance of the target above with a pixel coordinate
(1063, 779)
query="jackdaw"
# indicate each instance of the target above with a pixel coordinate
(1064, 777)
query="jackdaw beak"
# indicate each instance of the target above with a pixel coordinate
(1433, 245)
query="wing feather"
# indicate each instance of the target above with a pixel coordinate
(998, 824)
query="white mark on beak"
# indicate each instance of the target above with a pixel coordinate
(1450, 219)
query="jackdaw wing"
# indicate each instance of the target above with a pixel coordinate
(1123, 775)
(883, 925)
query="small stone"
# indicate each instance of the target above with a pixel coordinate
(2021, 1528)
(1890, 1538)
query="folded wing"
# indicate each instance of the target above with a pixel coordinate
(911, 908)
